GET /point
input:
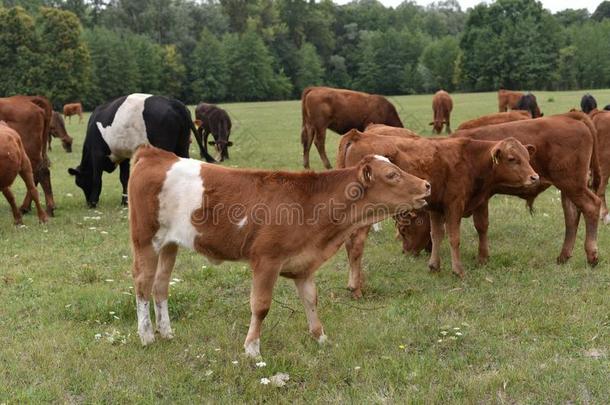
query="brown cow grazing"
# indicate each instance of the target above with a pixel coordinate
(58, 130)
(441, 107)
(73, 109)
(601, 120)
(462, 172)
(340, 110)
(14, 161)
(508, 99)
(497, 118)
(567, 150)
(282, 223)
(30, 116)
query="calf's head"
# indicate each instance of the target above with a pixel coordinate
(222, 146)
(413, 229)
(387, 186)
(511, 164)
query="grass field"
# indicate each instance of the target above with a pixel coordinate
(518, 330)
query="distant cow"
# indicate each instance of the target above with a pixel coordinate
(288, 225)
(528, 103)
(588, 103)
(462, 173)
(508, 99)
(14, 161)
(58, 130)
(497, 118)
(441, 107)
(117, 128)
(214, 120)
(340, 110)
(74, 109)
(567, 152)
(31, 116)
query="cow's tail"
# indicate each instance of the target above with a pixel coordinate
(594, 164)
(305, 126)
(46, 106)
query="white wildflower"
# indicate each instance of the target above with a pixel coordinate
(261, 364)
(265, 381)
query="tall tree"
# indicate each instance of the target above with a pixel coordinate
(310, 71)
(209, 70)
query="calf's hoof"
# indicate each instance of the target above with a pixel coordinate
(563, 258)
(434, 267)
(356, 292)
(253, 348)
(147, 337)
(592, 259)
(92, 204)
(124, 201)
(483, 260)
(51, 211)
(43, 219)
(24, 210)
(459, 272)
(322, 339)
(167, 334)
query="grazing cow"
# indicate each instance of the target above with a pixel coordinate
(497, 118)
(30, 116)
(528, 103)
(567, 150)
(413, 230)
(588, 103)
(601, 120)
(340, 110)
(508, 99)
(74, 109)
(462, 172)
(117, 128)
(214, 120)
(441, 107)
(14, 161)
(58, 130)
(282, 223)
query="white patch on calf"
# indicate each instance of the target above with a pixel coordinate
(145, 329)
(128, 130)
(181, 194)
(383, 158)
(162, 317)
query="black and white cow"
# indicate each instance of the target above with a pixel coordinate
(117, 128)
(214, 120)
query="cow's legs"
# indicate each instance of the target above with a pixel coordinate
(448, 125)
(306, 287)
(307, 136)
(143, 271)
(264, 276)
(605, 216)
(45, 183)
(8, 194)
(589, 204)
(354, 245)
(320, 142)
(167, 259)
(32, 192)
(452, 224)
(480, 217)
(124, 176)
(571, 217)
(437, 233)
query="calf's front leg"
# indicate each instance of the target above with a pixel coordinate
(354, 245)
(480, 217)
(306, 287)
(453, 229)
(167, 259)
(145, 261)
(437, 233)
(264, 276)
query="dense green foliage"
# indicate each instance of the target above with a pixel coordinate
(240, 50)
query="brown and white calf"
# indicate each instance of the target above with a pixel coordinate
(282, 223)
(14, 161)
(463, 173)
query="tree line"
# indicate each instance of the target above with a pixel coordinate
(244, 50)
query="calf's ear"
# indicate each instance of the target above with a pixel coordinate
(531, 149)
(366, 174)
(73, 172)
(229, 143)
(496, 152)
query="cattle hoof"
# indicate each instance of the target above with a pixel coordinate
(166, 334)
(24, 210)
(51, 212)
(124, 201)
(253, 348)
(147, 337)
(322, 339)
(356, 292)
(483, 260)
(434, 268)
(563, 258)
(459, 273)
(92, 204)
(593, 260)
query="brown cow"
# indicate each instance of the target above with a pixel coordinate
(462, 173)
(13, 161)
(508, 99)
(30, 116)
(497, 118)
(282, 223)
(74, 109)
(567, 151)
(601, 120)
(340, 110)
(441, 107)
(58, 130)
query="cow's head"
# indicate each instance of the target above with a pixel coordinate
(222, 146)
(413, 229)
(83, 180)
(58, 130)
(383, 183)
(511, 164)
(437, 126)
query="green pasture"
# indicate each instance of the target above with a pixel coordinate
(521, 329)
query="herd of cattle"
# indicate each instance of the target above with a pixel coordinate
(427, 184)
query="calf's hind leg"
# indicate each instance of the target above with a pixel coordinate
(571, 217)
(165, 265)
(320, 142)
(306, 287)
(145, 261)
(8, 194)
